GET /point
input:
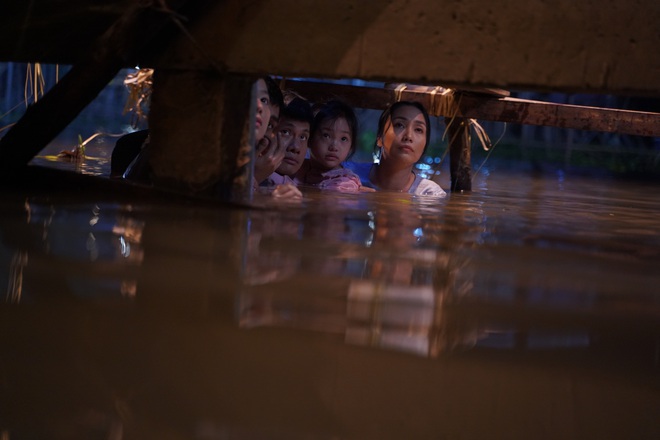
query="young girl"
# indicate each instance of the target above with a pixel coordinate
(332, 141)
(403, 134)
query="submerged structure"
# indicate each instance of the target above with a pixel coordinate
(207, 54)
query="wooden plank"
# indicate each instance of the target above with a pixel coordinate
(522, 111)
(487, 107)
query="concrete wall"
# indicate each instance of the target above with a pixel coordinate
(601, 46)
(561, 45)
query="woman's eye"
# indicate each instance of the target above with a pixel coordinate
(285, 132)
(325, 135)
(344, 139)
(398, 125)
(303, 137)
(419, 130)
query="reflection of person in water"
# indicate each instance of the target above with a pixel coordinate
(403, 135)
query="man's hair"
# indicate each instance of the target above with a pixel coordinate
(298, 109)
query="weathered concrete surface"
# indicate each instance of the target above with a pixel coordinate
(210, 149)
(594, 46)
(562, 45)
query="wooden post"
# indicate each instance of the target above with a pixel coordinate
(458, 133)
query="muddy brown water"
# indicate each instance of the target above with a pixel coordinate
(529, 308)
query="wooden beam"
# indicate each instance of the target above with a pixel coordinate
(528, 112)
(487, 107)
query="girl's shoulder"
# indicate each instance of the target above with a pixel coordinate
(340, 172)
(341, 179)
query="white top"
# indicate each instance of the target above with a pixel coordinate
(426, 187)
(419, 187)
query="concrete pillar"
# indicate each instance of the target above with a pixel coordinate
(201, 133)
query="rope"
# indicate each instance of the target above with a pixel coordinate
(398, 91)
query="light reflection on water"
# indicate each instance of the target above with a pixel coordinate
(297, 321)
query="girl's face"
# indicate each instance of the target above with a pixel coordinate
(404, 138)
(263, 110)
(331, 143)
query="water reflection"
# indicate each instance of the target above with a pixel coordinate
(399, 275)
(148, 318)
(74, 250)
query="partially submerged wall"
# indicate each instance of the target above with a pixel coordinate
(595, 46)
(560, 45)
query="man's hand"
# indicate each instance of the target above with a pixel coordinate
(287, 192)
(268, 158)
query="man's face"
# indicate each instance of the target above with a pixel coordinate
(293, 136)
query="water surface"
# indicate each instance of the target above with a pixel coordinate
(528, 308)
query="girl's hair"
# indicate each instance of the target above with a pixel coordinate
(274, 92)
(332, 110)
(387, 114)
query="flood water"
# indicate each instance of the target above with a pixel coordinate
(528, 308)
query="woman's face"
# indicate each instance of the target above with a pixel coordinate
(404, 138)
(263, 110)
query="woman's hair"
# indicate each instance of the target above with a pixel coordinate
(332, 110)
(387, 114)
(274, 92)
